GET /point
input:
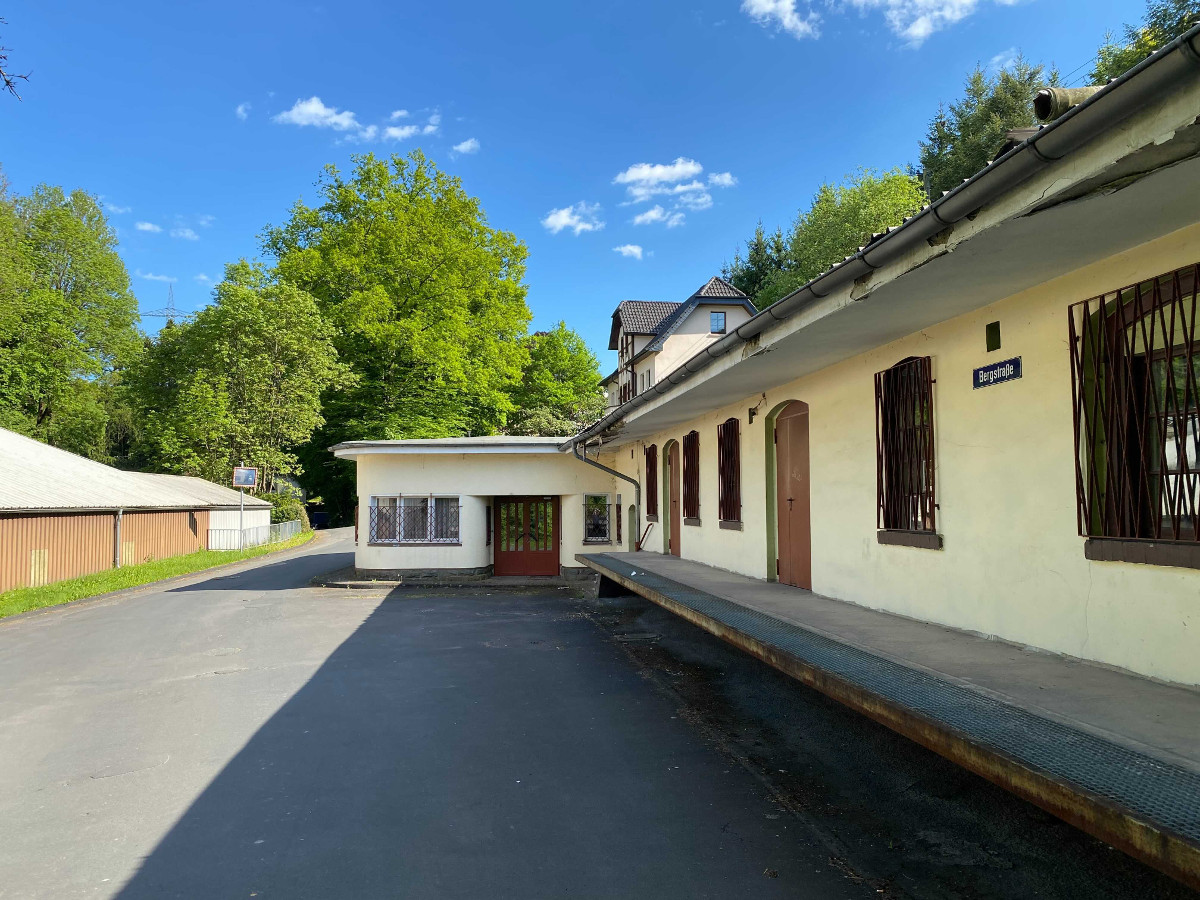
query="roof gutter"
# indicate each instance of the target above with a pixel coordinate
(1112, 104)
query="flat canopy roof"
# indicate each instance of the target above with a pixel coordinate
(494, 443)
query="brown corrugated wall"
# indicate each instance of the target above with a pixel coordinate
(42, 549)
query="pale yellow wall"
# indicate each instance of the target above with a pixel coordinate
(1013, 563)
(476, 478)
(693, 335)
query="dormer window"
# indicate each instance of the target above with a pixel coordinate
(716, 323)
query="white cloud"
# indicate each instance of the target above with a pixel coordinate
(363, 135)
(185, 233)
(721, 179)
(1003, 59)
(785, 17)
(579, 218)
(202, 278)
(398, 114)
(400, 132)
(148, 226)
(150, 276)
(434, 122)
(242, 111)
(648, 176)
(629, 250)
(915, 20)
(657, 214)
(206, 220)
(678, 180)
(470, 145)
(117, 210)
(313, 112)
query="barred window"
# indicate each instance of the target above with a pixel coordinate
(691, 475)
(414, 520)
(904, 463)
(1135, 374)
(729, 470)
(652, 480)
(596, 518)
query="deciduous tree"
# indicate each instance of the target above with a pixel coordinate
(1164, 21)
(559, 390)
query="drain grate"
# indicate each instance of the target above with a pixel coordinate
(1157, 791)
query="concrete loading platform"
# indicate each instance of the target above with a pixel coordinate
(1112, 753)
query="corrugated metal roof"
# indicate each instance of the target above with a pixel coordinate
(34, 475)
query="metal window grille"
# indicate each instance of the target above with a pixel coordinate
(414, 520)
(904, 457)
(596, 518)
(729, 470)
(691, 475)
(1135, 376)
(652, 480)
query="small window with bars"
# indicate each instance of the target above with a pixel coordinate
(652, 480)
(691, 476)
(904, 446)
(597, 519)
(729, 470)
(1135, 374)
(414, 520)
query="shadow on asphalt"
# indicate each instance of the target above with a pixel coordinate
(494, 746)
(287, 574)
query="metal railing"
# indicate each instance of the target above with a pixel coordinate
(904, 447)
(241, 538)
(597, 519)
(419, 523)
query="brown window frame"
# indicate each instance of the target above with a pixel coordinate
(652, 482)
(1127, 423)
(729, 471)
(691, 477)
(905, 460)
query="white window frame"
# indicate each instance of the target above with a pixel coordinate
(397, 538)
(608, 506)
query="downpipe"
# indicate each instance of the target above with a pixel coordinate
(580, 451)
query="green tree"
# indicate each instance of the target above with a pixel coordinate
(841, 218)
(67, 319)
(765, 256)
(428, 301)
(1164, 21)
(559, 391)
(240, 385)
(964, 137)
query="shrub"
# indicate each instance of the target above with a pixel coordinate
(286, 508)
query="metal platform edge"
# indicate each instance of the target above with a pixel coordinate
(1138, 836)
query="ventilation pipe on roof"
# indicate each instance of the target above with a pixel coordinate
(1050, 103)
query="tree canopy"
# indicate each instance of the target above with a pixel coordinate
(240, 385)
(559, 390)
(1163, 21)
(67, 319)
(840, 219)
(964, 137)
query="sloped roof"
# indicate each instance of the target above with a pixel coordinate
(719, 287)
(35, 476)
(639, 317)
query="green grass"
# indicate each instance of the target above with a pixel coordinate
(24, 599)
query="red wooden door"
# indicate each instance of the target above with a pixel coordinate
(673, 475)
(526, 536)
(792, 489)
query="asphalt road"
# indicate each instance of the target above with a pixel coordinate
(245, 735)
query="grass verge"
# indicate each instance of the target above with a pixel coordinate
(24, 599)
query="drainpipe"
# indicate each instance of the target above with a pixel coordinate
(580, 450)
(117, 538)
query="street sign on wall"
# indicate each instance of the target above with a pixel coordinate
(997, 373)
(245, 477)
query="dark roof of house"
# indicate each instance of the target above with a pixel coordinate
(659, 318)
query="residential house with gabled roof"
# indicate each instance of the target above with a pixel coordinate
(987, 418)
(652, 337)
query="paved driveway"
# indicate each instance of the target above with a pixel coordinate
(245, 735)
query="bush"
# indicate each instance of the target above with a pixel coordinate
(286, 508)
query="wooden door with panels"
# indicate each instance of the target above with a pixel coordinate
(526, 535)
(794, 531)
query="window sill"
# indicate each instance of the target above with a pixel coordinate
(730, 525)
(1180, 554)
(925, 540)
(651, 517)
(414, 543)
(692, 521)
(594, 541)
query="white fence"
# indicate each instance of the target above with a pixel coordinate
(235, 539)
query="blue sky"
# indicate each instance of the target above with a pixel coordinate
(582, 127)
